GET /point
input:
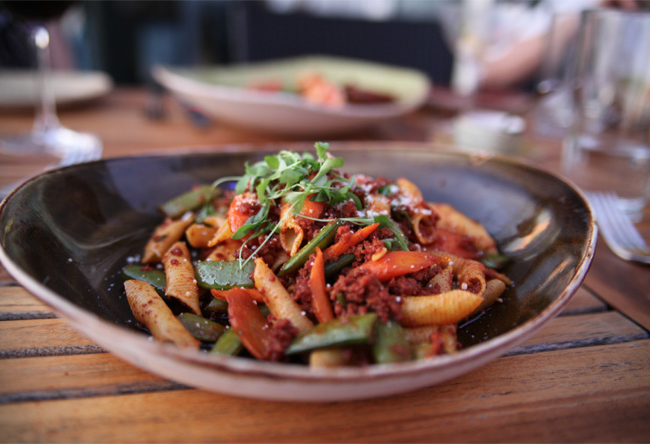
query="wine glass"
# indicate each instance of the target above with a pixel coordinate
(479, 32)
(48, 144)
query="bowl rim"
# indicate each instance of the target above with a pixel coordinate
(99, 329)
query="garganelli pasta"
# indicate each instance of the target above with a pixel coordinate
(303, 263)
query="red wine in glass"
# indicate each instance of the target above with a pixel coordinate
(36, 11)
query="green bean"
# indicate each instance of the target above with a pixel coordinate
(202, 329)
(215, 306)
(322, 239)
(334, 268)
(224, 275)
(390, 344)
(228, 344)
(189, 201)
(339, 332)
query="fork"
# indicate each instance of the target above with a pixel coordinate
(617, 229)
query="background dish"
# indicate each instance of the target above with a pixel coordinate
(221, 93)
(109, 209)
(18, 89)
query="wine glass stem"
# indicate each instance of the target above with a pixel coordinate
(46, 117)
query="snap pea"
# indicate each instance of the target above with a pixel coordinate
(146, 274)
(189, 201)
(352, 330)
(224, 275)
(322, 239)
(334, 268)
(390, 344)
(215, 306)
(495, 261)
(202, 329)
(228, 344)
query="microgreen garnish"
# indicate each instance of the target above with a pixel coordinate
(292, 178)
(204, 211)
(254, 223)
(400, 237)
(387, 190)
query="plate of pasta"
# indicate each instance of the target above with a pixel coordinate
(302, 273)
(299, 97)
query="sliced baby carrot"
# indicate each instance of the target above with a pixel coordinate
(337, 249)
(399, 263)
(248, 322)
(252, 292)
(320, 301)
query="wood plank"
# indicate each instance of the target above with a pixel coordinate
(566, 332)
(47, 337)
(42, 337)
(568, 395)
(583, 301)
(5, 278)
(17, 303)
(35, 334)
(74, 376)
(57, 337)
(622, 284)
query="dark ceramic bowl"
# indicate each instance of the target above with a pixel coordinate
(66, 234)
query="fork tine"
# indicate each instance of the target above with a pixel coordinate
(617, 230)
(627, 231)
(602, 217)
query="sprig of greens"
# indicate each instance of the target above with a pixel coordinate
(293, 178)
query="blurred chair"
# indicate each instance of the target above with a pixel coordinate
(261, 34)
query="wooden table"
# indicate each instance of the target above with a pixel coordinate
(585, 377)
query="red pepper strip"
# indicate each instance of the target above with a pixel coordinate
(319, 300)
(248, 322)
(252, 292)
(399, 263)
(343, 245)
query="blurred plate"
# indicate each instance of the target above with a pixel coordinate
(224, 93)
(20, 89)
(91, 217)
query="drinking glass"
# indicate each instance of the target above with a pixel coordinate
(480, 32)
(553, 115)
(608, 146)
(48, 144)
